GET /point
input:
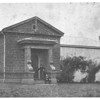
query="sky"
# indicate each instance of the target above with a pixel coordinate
(79, 21)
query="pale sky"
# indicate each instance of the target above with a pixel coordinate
(80, 20)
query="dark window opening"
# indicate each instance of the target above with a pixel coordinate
(34, 27)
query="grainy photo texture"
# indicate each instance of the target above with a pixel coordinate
(50, 49)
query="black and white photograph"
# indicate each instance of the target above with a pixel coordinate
(50, 49)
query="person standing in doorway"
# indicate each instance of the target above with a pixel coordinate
(42, 72)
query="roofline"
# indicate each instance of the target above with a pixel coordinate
(35, 18)
(16, 24)
(79, 46)
(50, 25)
(1, 32)
(31, 34)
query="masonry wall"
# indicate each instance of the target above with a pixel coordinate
(14, 55)
(44, 29)
(85, 51)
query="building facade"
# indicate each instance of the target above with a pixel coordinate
(89, 52)
(26, 46)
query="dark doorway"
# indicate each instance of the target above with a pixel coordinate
(34, 59)
(39, 57)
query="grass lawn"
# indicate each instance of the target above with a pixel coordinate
(50, 90)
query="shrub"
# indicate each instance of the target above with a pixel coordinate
(91, 73)
(71, 64)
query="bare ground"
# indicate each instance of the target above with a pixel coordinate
(49, 90)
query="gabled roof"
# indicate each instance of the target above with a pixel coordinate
(31, 19)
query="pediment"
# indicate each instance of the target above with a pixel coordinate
(34, 25)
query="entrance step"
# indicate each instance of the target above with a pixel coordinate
(39, 81)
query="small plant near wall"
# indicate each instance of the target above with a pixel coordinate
(71, 64)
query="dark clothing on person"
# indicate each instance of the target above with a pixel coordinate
(42, 72)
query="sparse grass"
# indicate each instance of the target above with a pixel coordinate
(57, 90)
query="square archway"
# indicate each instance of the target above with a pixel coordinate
(39, 57)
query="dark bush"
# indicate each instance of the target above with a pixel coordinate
(92, 72)
(71, 64)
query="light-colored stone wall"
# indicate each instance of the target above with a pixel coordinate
(90, 52)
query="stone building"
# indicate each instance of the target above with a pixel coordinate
(27, 45)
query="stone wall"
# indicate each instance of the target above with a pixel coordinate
(90, 52)
(15, 56)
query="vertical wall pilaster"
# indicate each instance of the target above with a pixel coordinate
(27, 58)
(50, 55)
(28, 75)
(53, 72)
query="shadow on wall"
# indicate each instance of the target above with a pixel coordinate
(79, 69)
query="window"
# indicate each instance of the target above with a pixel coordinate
(34, 26)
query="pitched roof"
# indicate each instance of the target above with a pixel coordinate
(31, 19)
